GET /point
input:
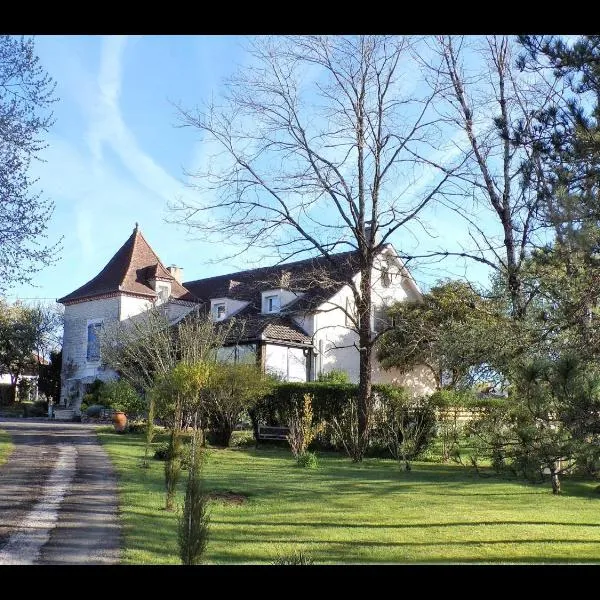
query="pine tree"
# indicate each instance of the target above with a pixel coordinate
(194, 521)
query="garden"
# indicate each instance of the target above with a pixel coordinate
(462, 475)
(264, 508)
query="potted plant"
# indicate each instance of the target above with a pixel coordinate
(119, 421)
(123, 399)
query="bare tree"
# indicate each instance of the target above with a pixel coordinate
(148, 346)
(491, 108)
(26, 95)
(318, 146)
(406, 425)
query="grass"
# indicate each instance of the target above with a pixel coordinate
(6, 446)
(371, 512)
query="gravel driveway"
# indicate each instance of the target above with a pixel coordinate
(58, 496)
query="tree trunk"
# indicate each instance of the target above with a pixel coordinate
(365, 358)
(12, 396)
(555, 481)
(252, 413)
(223, 432)
(514, 277)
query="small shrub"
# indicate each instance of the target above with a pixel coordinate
(162, 452)
(302, 430)
(345, 427)
(173, 469)
(308, 460)
(242, 439)
(121, 395)
(137, 427)
(186, 456)
(404, 424)
(93, 396)
(88, 400)
(430, 454)
(298, 557)
(334, 376)
(94, 410)
(193, 523)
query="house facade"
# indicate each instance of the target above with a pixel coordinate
(28, 374)
(294, 319)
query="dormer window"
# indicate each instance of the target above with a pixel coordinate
(163, 293)
(272, 303)
(219, 311)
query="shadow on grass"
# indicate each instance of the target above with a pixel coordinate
(364, 552)
(374, 476)
(317, 503)
(415, 544)
(362, 525)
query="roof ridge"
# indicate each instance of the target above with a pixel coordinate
(135, 233)
(291, 264)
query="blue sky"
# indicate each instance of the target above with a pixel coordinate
(115, 156)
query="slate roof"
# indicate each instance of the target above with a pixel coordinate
(317, 279)
(129, 271)
(274, 328)
(314, 279)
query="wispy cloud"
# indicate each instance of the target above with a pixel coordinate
(107, 127)
(109, 78)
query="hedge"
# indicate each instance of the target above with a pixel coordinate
(328, 401)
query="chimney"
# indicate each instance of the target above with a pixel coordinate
(176, 272)
(285, 279)
(233, 284)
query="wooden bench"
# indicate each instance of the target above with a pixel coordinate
(272, 433)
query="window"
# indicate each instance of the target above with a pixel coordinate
(385, 277)
(219, 311)
(93, 343)
(272, 303)
(163, 293)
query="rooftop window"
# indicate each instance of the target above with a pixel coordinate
(272, 304)
(219, 311)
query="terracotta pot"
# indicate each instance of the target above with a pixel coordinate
(119, 421)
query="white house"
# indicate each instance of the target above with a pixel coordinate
(29, 374)
(292, 317)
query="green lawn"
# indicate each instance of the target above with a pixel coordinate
(367, 513)
(6, 446)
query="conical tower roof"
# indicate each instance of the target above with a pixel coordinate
(129, 271)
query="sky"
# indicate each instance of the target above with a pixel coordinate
(116, 157)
